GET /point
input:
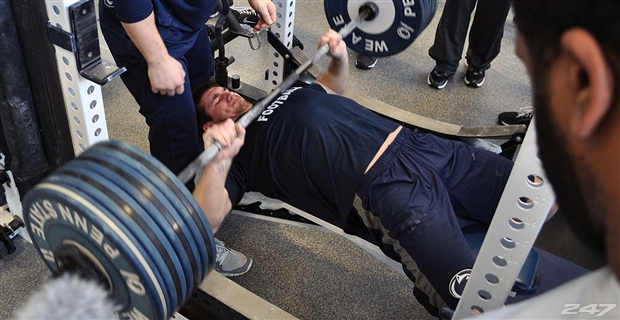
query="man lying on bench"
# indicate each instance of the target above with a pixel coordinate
(321, 152)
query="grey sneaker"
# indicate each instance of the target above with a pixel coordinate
(230, 263)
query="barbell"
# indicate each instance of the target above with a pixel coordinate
(116, 214)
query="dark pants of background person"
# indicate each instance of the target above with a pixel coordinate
(418, 196)
(173, 133)
(485, 36)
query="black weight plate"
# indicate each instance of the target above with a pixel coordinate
(51, 215)
(396, 26)
(112, 210)
(166, 213)
(134, 217)
(180, 191)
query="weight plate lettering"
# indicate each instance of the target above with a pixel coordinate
(56, 215)
(396, 26)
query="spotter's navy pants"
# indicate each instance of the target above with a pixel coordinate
(173, 131)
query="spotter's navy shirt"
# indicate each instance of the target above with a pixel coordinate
(176, 20)
(309, 149)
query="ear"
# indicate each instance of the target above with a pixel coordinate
(591, 78)
(207, 125)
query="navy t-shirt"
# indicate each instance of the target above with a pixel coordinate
(309, 149)
(177, 20)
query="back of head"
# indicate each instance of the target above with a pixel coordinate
(576, 162)
(542, 23)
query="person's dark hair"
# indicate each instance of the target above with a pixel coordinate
(201, 116)
(542, 23)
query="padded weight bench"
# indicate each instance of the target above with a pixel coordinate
(256, 205)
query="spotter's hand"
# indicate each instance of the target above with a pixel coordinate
(337, 47)
(167, 76)
(266, 9)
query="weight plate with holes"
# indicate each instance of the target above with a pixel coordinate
(113, 211)
(168, 213)
(56, 216)
(134, 216)
(396, 26)
(178, 189)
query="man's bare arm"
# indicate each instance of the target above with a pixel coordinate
(166, 74)
(336, 78)
(211, 193)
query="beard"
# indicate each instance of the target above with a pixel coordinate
(242, 107)
(578, 195)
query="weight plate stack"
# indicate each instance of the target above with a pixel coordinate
(169, 280)
(163, 212)
(57, 214)
(181, 218)
(168, 178)
(134, 216)
(131, 220)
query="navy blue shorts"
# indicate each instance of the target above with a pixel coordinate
(416, 198)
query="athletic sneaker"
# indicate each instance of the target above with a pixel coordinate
(229, 262)
(438, 79)
(474, 77)
(246, 16)
(365, 62)
(522, 116)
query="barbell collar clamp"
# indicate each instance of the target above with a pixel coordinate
(371, 9)
(70, 259)
(15, 224)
